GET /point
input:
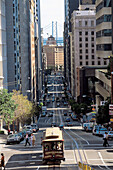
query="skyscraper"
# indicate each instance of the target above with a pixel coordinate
(3, 51)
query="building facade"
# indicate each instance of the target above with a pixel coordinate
(103, 30)
(3, 48)
(83, 44)
(17, 24)
(70, 6)
(59, 58)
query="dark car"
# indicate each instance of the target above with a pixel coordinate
(74, 117)
(65, 114)
(69, 124)
(67, 119)
(50, 114)
(61, 126)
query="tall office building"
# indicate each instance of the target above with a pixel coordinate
(103, 30)
(83, 48)
(70, 6)
(3, 51)
(38, 50)
(20, 20)
(17, 23)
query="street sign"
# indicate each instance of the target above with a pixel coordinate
(110, 109)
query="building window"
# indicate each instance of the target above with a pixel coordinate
(86, 33)
(92, 50)
(80, 45)
(92, 23)
(105, 63)
(86, 23)
(80, 51)
(86, 50)
(86, 62)
(92, 39)
(80, 57)
(80, 39)
(86, 44)
(92, 45)
(98, 62)
(93, 63)
(86, 39)
(86, 56)
(80, 23)
(93, 56)
(92, 32)
(80, 63)
(80, 33)
(104, 18)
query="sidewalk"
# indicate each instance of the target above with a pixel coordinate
(3, 139)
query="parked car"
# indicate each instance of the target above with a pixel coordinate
(74, 117)
(61, 126)
(101, 131)
(88, 126)
(22, 135)
(95, 128)
(35, 128)
(65, 114)
(110, 135)
(65, 103)
(50, 114)
(28, 129)
(14, 138)
(67, 119)
(43, 114)
(69, 124)
(58, 104)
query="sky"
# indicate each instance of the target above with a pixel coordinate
(52, 10)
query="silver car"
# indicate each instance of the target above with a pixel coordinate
(15, 138)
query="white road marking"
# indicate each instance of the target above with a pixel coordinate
(80, 137)
(102, 160)
(33, 156)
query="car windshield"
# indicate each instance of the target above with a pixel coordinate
(110, 132)
(10, 136)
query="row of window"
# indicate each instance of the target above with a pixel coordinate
(104, 33)
(104, 18)
(86, 45)
(86, 32)
(93, 63)
(104, 47)
(87, 57)
(87, 23)
(104, 3)
(86, 39)
(80, 51)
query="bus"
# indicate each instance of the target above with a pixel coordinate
(53, 145)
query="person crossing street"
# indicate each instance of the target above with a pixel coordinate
(27, 139)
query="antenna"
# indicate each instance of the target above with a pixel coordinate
(52, 28)
(56, 32)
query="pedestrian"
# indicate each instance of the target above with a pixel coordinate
(33, 140)
(27, 139)
(8, 131)
(2, 161)
(105, 138)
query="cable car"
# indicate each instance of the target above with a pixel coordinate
(53, 145)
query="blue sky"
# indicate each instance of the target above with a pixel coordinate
(52, 10)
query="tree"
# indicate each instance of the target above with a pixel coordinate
(103, 114)
(7, 106)
(24, 107)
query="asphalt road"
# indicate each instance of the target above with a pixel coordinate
(79, 146)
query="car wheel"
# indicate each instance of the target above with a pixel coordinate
(8, 143)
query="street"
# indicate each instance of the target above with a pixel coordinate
(80, 146)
